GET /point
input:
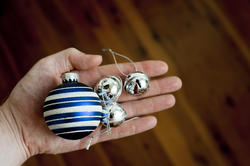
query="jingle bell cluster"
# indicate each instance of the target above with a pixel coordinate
(109, 90)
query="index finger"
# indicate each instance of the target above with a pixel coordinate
(152, 68)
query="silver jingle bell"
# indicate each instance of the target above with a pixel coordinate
(109, 88)
(117, 115)
(136, 83)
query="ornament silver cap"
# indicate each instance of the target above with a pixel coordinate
(70, 77)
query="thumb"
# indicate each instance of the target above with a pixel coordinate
(48, 70)
(73, 59)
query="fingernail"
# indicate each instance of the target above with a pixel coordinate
(164, 67)
(98, 58)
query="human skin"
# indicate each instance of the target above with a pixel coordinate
(22, 127)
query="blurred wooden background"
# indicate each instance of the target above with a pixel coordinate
(205, 42)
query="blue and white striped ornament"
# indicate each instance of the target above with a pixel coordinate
(72, 110)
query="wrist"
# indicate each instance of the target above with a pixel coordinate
(13, 149)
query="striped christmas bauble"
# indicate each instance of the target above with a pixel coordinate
(72, 110)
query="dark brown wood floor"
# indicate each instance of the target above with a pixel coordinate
(205, 42)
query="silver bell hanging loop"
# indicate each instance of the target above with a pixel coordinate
(123, 56)
(136, 83)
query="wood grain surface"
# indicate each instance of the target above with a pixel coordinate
(205, 42)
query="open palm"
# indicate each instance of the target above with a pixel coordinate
(26, 100)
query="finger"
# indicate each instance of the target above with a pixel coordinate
(71, 59)
(58, 144)
(157, 87)
(151, 67)
(129, 128)
(47, 72)
(149, 105)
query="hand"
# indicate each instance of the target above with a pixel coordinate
(24, 113)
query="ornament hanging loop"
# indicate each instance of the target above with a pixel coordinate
(113, 53)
